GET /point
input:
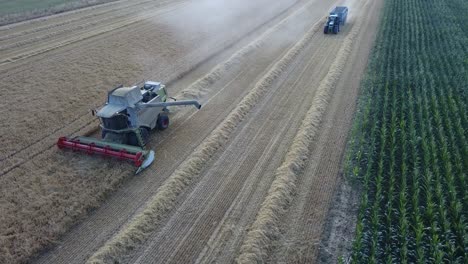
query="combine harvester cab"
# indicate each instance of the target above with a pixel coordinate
(335, 20)
(127, 118)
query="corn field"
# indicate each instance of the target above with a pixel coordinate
(409, 145)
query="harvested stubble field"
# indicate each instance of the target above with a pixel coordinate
(278, 101)
(21, 10)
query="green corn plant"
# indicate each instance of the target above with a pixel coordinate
(414, 180)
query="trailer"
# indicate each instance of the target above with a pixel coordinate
(336, 19)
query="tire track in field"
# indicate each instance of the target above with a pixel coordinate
(225, 240)
(70, 17)
(303, 239)
(179, 73)
(54, 19)
(260, 138)
(99, 30)
(86, 237)
(144, 223)
(89, 22)
(265, 228)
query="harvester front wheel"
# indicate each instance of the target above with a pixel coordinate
(133, 138)
(163, 121)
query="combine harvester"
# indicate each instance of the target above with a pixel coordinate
(127, 118)
(336, 19)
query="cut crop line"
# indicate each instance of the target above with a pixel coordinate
(85, 17)
(44, 143)
(199, 88)
(57, 32)
(265, 228)
(86, 10)
(216, 239)
(235, 158)
(190, 116)
(196, 90)
(140, 228)
(87, 35)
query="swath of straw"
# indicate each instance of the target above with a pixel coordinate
(140, 228)
(199, 87)
(265, 228)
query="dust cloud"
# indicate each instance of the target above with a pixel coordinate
(197, 29)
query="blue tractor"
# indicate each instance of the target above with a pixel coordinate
(336, 19)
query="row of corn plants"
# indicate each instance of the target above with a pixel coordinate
(409, 145)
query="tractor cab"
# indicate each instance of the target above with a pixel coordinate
(332, 20)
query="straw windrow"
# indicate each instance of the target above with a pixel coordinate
(265, 228)
(197, 89)
(139, 229)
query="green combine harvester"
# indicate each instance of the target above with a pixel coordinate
(127, 118)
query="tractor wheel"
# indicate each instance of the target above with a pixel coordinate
(335, 30)
(325, 30)
(163, 121)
